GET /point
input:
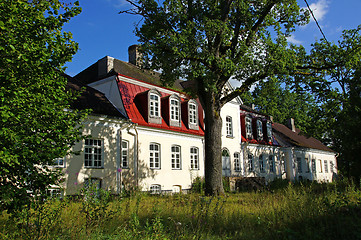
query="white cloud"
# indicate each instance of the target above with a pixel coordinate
(319, 9)
(292, 39)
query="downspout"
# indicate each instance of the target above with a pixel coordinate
(135, 135)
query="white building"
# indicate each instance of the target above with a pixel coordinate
(142, 135)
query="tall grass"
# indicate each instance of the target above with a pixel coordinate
(314, 211)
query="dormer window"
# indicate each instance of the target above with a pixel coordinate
(174, 110)
(269, 131)
(193, 114)
(248, 127)
(259, 130)
(154, 107)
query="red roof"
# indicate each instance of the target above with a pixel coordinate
(129, 91)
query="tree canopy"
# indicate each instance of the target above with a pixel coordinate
(36, 123)
(209, 42)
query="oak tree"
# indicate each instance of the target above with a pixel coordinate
(208, 43)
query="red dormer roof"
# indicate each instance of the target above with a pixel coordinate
(131, 91)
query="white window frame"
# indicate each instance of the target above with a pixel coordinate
(229, 126)
(237, 162)
(59, 162)
(313, 165)
(326, 166)
(271, 163)
(320, 163)
(332, 166)
(248, 125)
(154, 156)
(174, 109)
(155, 189)
(259, 129)
(125, 154)
(261, 163)
(176, 157)
(192, 114)
(250, 163)
(154, 105)
(194, 156)
(269, 131)
(93, 153)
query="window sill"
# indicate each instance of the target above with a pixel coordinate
(230, 136)
(94, 167)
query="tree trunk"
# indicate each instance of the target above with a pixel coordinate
(213, 151)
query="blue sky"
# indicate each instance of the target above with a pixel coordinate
(101, 31)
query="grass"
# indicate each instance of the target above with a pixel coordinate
(315, 211)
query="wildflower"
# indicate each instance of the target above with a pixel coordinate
(119, 169)
(76, 183)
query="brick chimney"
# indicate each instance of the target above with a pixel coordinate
(291, 124)
(135, 57)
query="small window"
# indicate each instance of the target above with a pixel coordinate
(176, 157)
(237, 162)
(320, 164)
(194, 158)
(174, 110)
(59, 162)
(93, 153)
(313, 162)
(93, 182)
(269, 131)
(229, 128)
(271, 163)
(261, 163)
(125, 154)
(248, 122)
(326, 166)
(154, 156)
(259, 130)
(155, 189)
(250, 163)
(332, 166)
(192, 113)
(299, 165)
(154, 106)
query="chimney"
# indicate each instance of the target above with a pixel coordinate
(105, 65)
(135, 57)
(291, 124)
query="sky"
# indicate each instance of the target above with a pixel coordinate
(101, 31)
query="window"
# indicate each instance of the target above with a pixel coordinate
(332, 165)
(248, 127)
(125, 154)
(155, 189)
(176, 157)
(93, 153)
(313, 161)
(154, 156)
(59, 162)
(154, 107)
(299, 165)
(269, 131)
(271, 164)
(174, 110)
(237, 162)
(250, 162)
(229, 130)
(307, 165)
(259, 130)
(194, 158)
(192, 113)
(93, 182)
(261, 163)
(326, 166)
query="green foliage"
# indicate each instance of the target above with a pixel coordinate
(296, 211)
(36, 124)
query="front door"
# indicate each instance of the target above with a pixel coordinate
(226, 163)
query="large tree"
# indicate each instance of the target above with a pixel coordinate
(208, 43)
(36, 124)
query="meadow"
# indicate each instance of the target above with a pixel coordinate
(283, 211)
